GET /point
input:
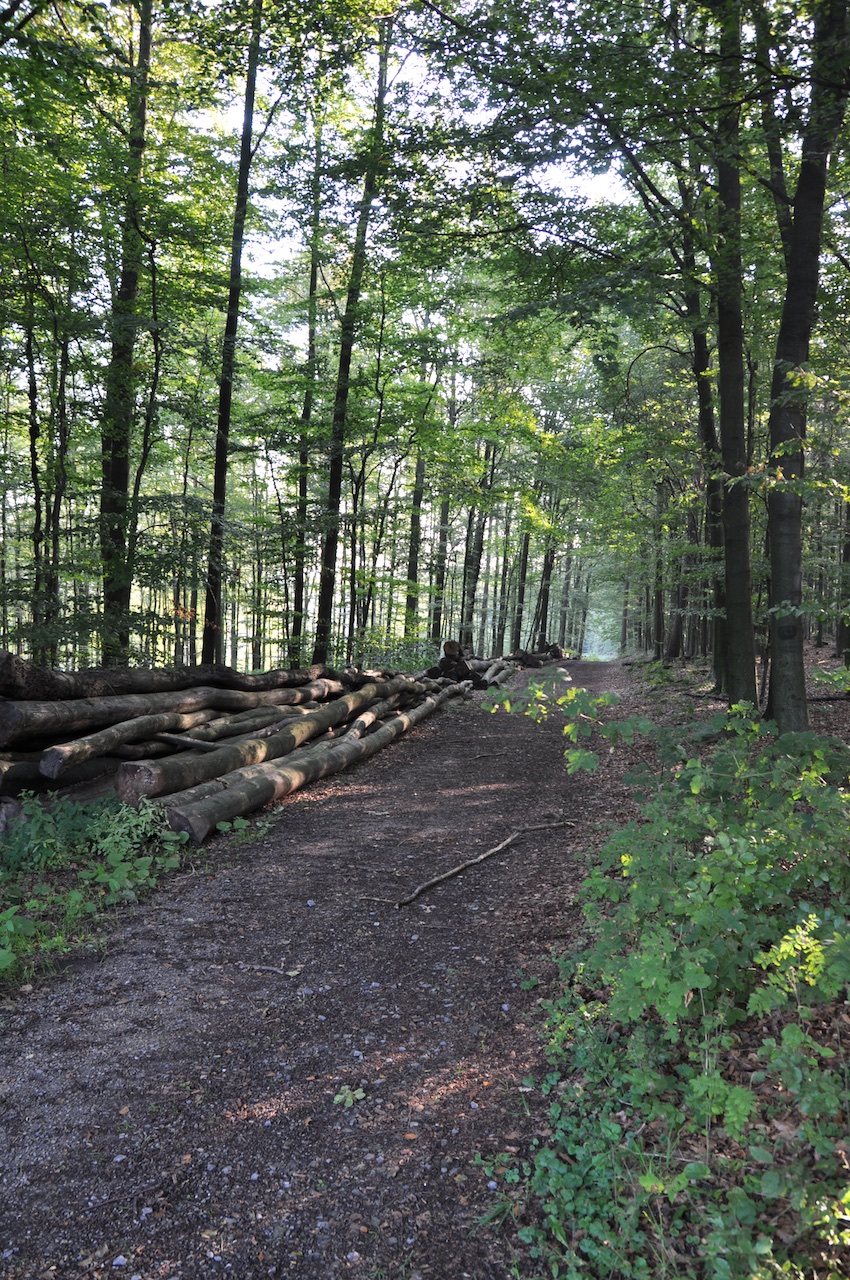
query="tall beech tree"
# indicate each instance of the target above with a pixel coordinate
(213, 620)
(373, 164)
(740, 666)
(120, 382)
(829, 84)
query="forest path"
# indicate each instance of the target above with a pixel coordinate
(177, 1107)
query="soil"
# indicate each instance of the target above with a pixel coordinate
(270, 1069)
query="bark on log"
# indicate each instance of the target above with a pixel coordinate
(25, 775)
(24, 719)
(368, 718)
(156, 778)
(57, 760)
(185, 742)
(257, 721)
(20, 679)
(150, 749)
(250, 788)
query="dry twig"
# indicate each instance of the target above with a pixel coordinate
(471, 862)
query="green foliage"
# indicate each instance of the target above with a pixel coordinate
(346, 1096)
(720, 932)
(62, 863)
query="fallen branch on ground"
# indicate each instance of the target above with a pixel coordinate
(456, 871)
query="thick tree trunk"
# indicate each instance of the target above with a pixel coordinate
(789, 391)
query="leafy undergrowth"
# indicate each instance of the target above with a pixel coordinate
(64, 864)
(700, 1047)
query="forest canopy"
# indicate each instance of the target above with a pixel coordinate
(329, 330)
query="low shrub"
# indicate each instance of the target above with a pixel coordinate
(62, 863)
(700, 1081)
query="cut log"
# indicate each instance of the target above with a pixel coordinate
(499, 672)
(24, 719)
(185, 742)
(156, 778)
(259, 721)
(56, 760)
(150, 749)
(25, 775)
(252, 787)
(370, 717)
(20, 679)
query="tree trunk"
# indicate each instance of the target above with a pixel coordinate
(348, 333)
(299, 594)
(120, 380)
(49, 719)
(790, 386)
(19, 679)
(57, 760)
(500, 621)
(842, 630)
(740, 638)
(516, 631)
(707, 435)
(411, 605)
(212, 642)
(542, 610)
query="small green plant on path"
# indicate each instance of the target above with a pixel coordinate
(347, 1096)
(62, 864)
(700, 1081)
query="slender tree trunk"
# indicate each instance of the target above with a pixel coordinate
(500, 620)
(789, 390)
(299, 586)
(348, 332)
(564, 606)
(120, 379)
(440, 567)
(709, 444)
(582, 631)
(516, 632)
(543, 598)
(37, 536)
(740, 638)
(211, 647)
(411, 606)
(842, 630)
(441, 562)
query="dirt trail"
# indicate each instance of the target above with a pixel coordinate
(177, 1106)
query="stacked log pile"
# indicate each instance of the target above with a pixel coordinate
(206, 742)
